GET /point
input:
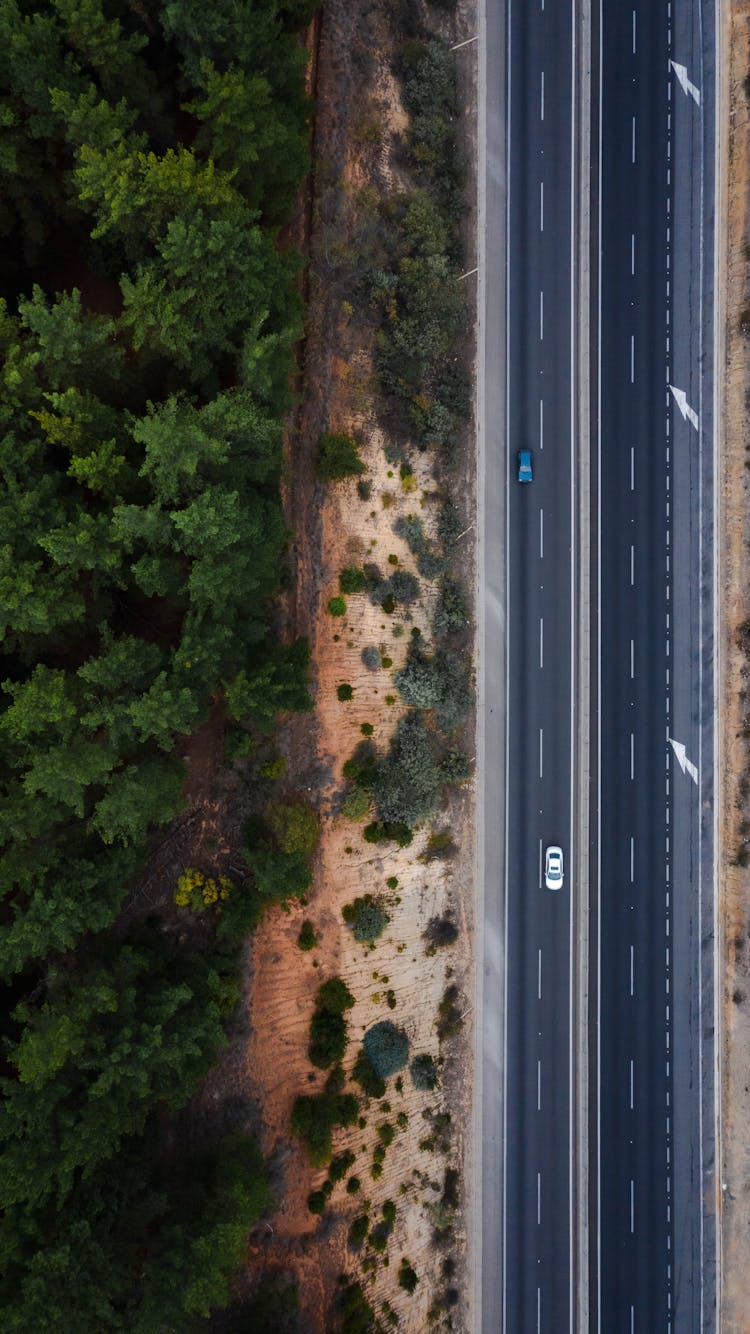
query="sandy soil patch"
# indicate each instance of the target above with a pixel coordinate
(399, 979)
(734, 485)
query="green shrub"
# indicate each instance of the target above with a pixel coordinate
(355, 805)
(344, 692)
(339, 1166)
(316, 1202)
(352, 580)
(378, 832)
(407, 1277)
(371, 658)
(365, 1074)
(337, 606)
(307, 939)
(440, 682)
(353, 1185)
(440, 931)
(455, 767)
(392, 882)
(451, 611)
(424, 1074)
(402, 586)
(358, 1231)
(386, 1048)
(328, 1027)
(294, 826)
(407, 787)
(364, 489)
(366, 729)
(314, 1117)
(449, 524)
(366, 917)
(386, 1134)
(449, 1021)
(336, 457)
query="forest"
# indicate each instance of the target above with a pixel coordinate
(150, 154)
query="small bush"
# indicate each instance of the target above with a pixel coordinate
(358, 1231)
(353, 1185)
(337, 606)
(371, 658)
(440, 682)
(339, 1166)
(352, 580)
(344, 692)
(328, 1027)
(307, 939)
(386, 1048)
(366, 917)
(294, 826)
(313, 1118)
(402, 586)
(449, 1021)
(455, 767)
(316, 1202)
(366, 729)
(451, 611)
(386, 1134)
(336, 457)
(407, 1277)
(407, 786)
(364, 489)
(365, 1074)
(440, 931)
(424, 1074)
(439, 845)
(355, 805)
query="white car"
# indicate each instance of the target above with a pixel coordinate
(553, 868)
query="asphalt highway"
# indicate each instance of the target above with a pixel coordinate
(537, 1203)
(649, 1237)
(651, 1103)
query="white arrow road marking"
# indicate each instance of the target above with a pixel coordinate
(683, 761)
(685, 84)
(680, 398)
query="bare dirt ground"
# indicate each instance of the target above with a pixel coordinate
(734, 484)
(358, 118)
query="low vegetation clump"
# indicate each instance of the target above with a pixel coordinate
(345, 692)
(440, 932)
(439, 682)
(356, 805)
(352, 580)
(365, 1074)
(337, 606)
(407, 1276)
(314, 1118)
(337, 457)
(386, 1048)
(328, 1026)
(307, 939)
(197, 891)
(449, 1020)
(366, 917)
(424, 1074)
(371, 658)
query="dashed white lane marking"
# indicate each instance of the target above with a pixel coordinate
(541, 423)
(541, 206)
(632, 467)
(539, 1290)
(632, 1205)
(632, 1078)
(542, 106)
(541, 642)
(632, 970)
(541, 534)
(632, 859)
(539, 1085)
(538, 1198)
(541, 752)
(632, 757)
(632, 254)
(540, 879)
(539, 974)
(632, 358)
(632, 660)
(633, 142)
(541, 317)
(633, 32)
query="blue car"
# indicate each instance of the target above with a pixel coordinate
(525, 473)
